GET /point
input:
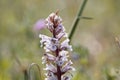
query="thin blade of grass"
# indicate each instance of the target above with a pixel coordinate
(74, 26)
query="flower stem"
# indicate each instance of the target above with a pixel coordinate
(57, 54)
(77, 20)
(58, 72)
(58, 67)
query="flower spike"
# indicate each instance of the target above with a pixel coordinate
(56, 56)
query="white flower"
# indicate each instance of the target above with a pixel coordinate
(50, 44)
(44, 59)
(46, 49)
(60, 32)
(57, 19)
(60, 35)
(55, 41)
(62, 58)
(50, 47)
(67, 67)
(51, 76)
(49, 22)
(51, 15)
(51, 67)
(48, 57)
(64, 55)
(50, 26)
(59, 29)
(66, 78)
(59, 61)
(65, 45)
(44, 39)
(52, 21)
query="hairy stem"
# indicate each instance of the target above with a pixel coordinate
(58, 72)
(58, 67)
(57, 54)
(77, 20)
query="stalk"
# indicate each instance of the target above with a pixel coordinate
(77, 19)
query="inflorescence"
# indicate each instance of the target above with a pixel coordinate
(57, 47)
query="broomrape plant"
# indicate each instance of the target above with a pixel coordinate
(56, 50)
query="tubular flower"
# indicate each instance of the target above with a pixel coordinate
(56, 50)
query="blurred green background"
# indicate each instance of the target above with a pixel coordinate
(96, 55)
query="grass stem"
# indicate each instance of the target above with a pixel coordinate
(77, 19)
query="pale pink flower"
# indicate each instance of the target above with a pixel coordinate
(39, 25)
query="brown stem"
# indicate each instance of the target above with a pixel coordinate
(59, 73)
(58, 67)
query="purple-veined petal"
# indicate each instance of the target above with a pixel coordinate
(67, 67)
(51, 67)
(60, 60)
(66, 78)
(51, 76)
(44, 40)
(50, 56)
(60, 28)
(65, 45)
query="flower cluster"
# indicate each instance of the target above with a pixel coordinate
(56, 50)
